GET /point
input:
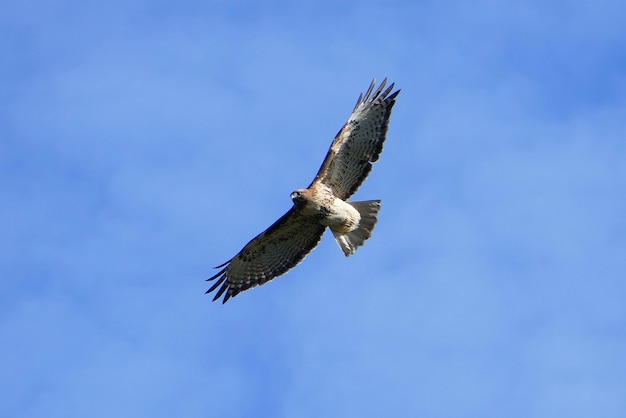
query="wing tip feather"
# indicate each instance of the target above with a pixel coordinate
(380, 94)
(221, 291)
(219, 273)
(222, 280)
(222, 265)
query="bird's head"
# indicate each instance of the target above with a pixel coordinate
(298, 197)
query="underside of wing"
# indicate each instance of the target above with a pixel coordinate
(281, 247)
(359, 142)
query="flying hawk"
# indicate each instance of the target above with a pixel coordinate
(323, 204)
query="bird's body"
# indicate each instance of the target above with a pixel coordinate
(323, 204)
(340, 216)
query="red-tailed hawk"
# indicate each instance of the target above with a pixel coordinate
(323, 204)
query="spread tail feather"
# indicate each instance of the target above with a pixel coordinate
(350, 241)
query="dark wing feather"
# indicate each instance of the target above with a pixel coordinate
(279, 248)
(358, 143)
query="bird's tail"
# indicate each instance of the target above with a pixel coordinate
(350, 241)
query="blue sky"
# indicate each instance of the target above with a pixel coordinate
(143, 143)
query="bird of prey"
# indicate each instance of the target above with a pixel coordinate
(323, 204)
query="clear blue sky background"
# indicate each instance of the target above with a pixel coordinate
(142, 143)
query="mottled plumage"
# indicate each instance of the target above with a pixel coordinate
(359, 143)
(323, 204)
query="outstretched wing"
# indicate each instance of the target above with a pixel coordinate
(358, 143)
(281, 247)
